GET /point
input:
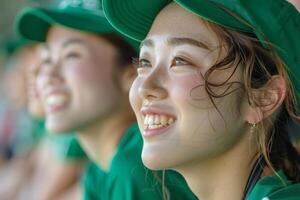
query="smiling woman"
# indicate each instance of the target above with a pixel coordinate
(84, 80)
(214, 95)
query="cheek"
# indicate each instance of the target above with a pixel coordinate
(134, 98)
(190, 90)
(40, 84)
(90, 75)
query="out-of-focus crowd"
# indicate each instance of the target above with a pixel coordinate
(34, 164)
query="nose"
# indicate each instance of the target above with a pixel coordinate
(153, 86)
(51, 73)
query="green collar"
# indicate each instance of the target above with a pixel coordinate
(275, 188)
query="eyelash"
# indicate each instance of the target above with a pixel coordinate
(72, 55)
(181, 60)
(45, 61)
(138, 62)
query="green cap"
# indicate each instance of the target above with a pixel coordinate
(33, 23)
(276, 20)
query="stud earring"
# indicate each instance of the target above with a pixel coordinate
(252, 128)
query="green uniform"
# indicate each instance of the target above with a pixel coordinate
(39, 130)
(128, 179)
(274, 188)
(67, 146)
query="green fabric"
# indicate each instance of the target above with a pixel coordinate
(67, 146)
(128, 179)
(39, 130)
(276, 20)
(33, 23)
(274, 188)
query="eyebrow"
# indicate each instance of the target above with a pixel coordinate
(177, 41)
(74, 41)
(65, 44)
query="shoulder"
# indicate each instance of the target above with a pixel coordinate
(275, 187)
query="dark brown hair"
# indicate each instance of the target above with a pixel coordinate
(259, 65)
(125, 51)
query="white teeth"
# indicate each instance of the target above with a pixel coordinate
(146, 120)
(170, 121)
(157, 121)
(151, 119)
(163, 120)
(56, 100)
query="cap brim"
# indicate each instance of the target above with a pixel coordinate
(134, 18)
(34, 23)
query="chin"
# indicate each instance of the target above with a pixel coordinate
(56, 128)
(154, 160)
(36, 111)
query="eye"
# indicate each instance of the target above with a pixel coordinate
(142, 63)
(72, 55)
(178, 61)
(45, 62)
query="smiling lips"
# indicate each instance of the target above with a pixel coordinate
(56, 101)
(157, 121)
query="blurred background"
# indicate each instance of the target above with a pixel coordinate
(8, 10)
(34, 165)
(29, 169)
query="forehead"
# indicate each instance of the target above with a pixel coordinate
(59, 37)
(175, 21)
(58, 34)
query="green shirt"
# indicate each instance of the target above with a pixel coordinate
(128, 179)
(274, 188)
(39, 130)
(67, 146)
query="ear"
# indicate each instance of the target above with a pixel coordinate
(269, 97)
(127, 77)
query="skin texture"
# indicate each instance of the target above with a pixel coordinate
(205, 144)
(35, 105)
(80, 68)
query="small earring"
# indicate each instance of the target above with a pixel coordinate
(252, 128)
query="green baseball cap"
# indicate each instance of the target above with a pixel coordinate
(276, 20)
(33, 23)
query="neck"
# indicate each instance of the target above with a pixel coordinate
(222, 177)
(100, 139)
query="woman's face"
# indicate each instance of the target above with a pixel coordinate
(76, 79)
(35, 105)
(179, 123)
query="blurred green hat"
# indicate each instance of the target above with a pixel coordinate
(275, 21)
(33, 23)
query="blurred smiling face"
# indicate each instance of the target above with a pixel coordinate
(76, 79)
(179, 123)
(34, 101)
